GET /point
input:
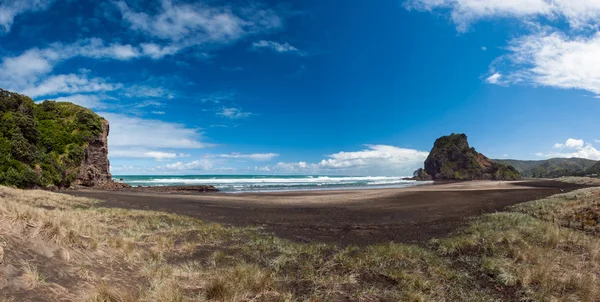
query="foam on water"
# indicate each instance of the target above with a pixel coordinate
(264, 183)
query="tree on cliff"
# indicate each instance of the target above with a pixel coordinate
(43, 144)
(452, 158)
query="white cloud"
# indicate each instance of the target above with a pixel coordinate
(483, 48)
(571, 143)
(234, 113)
(217, 97)
(573, 148)
(254, 156)
(12, 8)
(277, 47)
(493, 79)
(552, 55)
(376, 160)
(574, 143)
(144, 153)
(197, 165)
(127, 131)
(555, 60)
(195, 24)
(377, 156)
(68, 84)
(27, 73)
(156, 51)
(578, 13)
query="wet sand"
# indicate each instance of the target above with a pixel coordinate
(345, 217)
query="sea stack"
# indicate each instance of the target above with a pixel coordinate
(453, 159)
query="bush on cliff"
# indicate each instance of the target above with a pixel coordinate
(42, 144)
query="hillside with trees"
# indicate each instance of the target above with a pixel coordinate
(551, 168)
(43, 144)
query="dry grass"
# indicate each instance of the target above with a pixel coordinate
(580, 180)
(68, 249)
(578, 209)
(538, 260)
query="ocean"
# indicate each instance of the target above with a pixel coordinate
(270, 183)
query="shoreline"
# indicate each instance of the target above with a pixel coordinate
(437, 185)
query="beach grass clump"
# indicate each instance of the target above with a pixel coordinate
(590, 181)
(535, 259)
(579, 209)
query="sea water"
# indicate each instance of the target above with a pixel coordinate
(270, 183)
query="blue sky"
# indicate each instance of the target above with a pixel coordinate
(313, 87)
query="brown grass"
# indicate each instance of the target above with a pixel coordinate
(67, 248)
(580, 180)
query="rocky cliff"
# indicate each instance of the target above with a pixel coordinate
(453, 159)
(94, 169)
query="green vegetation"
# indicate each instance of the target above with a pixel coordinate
(42, 144)
(554, 167)
(594, 170)
(530, 253)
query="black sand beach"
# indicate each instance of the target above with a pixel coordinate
(352, 217)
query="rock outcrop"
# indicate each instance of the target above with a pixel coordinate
(421, 175)
(95, 167)
(453, 159)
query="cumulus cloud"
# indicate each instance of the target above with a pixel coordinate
(197, 23)
(143, 153)
(68, 84)
(375, 160)
(277, 47)
(578, 13)
(12, 8)
(253, 156)
(551, 54)
(573, 148)
(196, 165)
(376, 156)
(553, 59)
(28, 72)
(128, 131)
(234, 113)
(571, 143)
(494, 78)
(134, 137)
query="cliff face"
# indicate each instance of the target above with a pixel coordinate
(95, 167)
(51, 144)
(453, 159)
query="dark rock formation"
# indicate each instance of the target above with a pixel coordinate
(95, 168)
(421, 175)
(453, 159)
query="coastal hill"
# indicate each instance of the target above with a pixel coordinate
(51, 144)
(552, 168)
(453, 159)
(593, 170)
